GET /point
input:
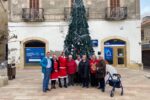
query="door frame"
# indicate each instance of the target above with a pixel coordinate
(115, 57)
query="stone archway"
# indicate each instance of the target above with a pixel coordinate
(118, 38)
(25, 41)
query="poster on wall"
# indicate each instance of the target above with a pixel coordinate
(94, 43)
(34, 55)
(109, 54)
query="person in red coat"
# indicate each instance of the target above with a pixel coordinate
(62, 70)
(71, 69)
(93, 63)
(55, 74)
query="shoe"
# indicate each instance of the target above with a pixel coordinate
(65, 86)
(103, 90)
(99, 88)
(48, 89)
(60, 86)
(87, 86)
(44, 91)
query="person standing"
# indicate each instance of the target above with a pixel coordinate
(71, 69)
(77, 76)
(93, 79)
(55, 74)
(101, 73)
(63, 70)
(84, 71)
(47, 67)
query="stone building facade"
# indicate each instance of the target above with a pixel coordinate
(145, 35)
(3, 30)
(114, 26)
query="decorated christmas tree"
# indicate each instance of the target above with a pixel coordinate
(78, 40)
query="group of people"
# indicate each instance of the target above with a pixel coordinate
(82, 71)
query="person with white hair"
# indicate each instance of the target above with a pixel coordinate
(71, 70)
(101, 73)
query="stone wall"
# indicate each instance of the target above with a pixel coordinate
(3, 29)
(54, 9)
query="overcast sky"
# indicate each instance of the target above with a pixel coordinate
(145, 8)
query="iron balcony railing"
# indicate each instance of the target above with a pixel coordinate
(30, 14)
(67, 13)
(116, 13)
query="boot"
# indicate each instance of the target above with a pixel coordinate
(60, 83)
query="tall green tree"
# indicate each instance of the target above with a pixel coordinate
(78, 40)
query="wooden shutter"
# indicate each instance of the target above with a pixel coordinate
(34, 4)
(114, 3)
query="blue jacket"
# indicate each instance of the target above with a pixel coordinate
(44, 63)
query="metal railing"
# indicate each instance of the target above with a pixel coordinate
(30, 14)
(116, 13)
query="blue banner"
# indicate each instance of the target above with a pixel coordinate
(94, 43)
(34, 55)
(109, 54)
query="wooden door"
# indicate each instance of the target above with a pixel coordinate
(34, 4)
(114, 3)
(119, 56)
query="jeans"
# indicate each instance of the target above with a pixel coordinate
(46, 79)
(71, 79)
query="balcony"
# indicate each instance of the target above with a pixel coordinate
(116, 13)
(67, 13)
(33, 15)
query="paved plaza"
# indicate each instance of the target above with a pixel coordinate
(27, 86)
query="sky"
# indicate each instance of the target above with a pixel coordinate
(145, 8)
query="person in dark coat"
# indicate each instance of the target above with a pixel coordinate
(101, 73)
(84, 71)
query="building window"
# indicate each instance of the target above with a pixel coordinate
(34, 4)
(114, 3)
(72, 3)
(142, 35)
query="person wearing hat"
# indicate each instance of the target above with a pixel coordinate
(55, 74)
(62, 70)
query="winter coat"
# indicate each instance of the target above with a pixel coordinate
(62, 61)
(101, 69)
(55, 73)
(44, 63)
(93, 66)
(71, 67)
(62, 67)
(84, 69)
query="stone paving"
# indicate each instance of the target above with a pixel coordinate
(27, 86)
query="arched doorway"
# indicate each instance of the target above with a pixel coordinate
(115, 52)
(34, 51)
